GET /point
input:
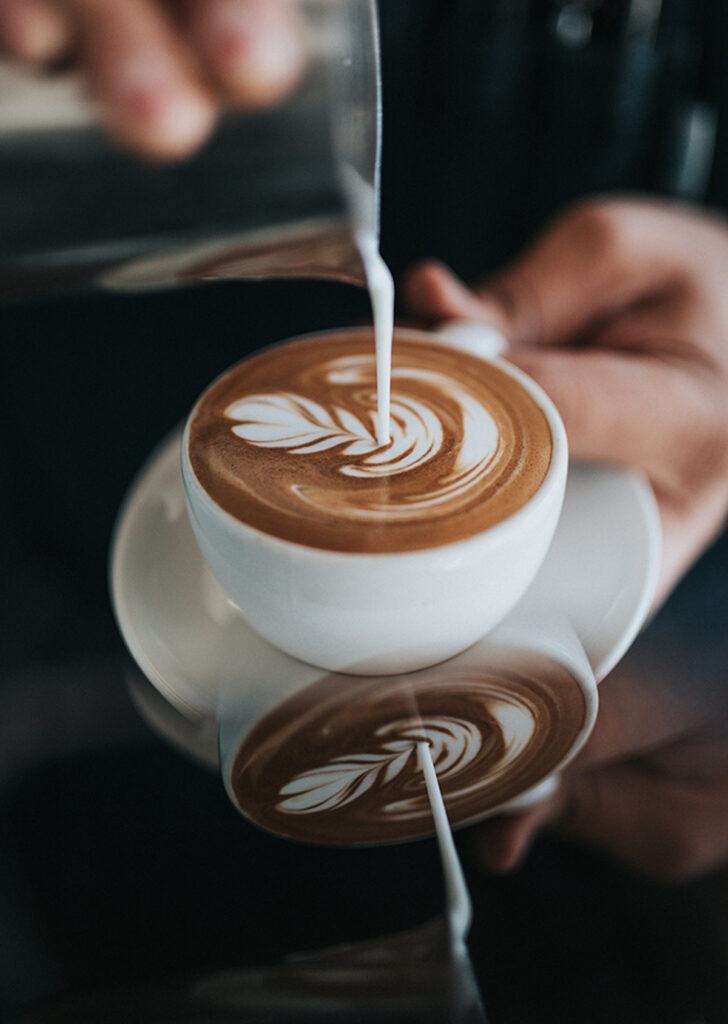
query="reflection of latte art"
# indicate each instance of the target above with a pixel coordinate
(338, 762)
(286, 442)
(453, 743)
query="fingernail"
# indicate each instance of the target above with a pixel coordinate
(149, 95)
(145, 83)
(255, 48)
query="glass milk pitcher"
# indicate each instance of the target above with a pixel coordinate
(286, 191)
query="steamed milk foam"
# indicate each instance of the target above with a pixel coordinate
(287, 443)
(337, 762)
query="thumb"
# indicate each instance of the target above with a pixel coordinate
(594, 261)
(432, 293)
(508, 302)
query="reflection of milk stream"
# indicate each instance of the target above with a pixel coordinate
(425, 972)
(459, 907)
(453, 743)
(416, 975)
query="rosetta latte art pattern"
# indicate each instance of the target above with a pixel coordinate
(304, 427)
(338, 763)
(286, 442)
(453, 743)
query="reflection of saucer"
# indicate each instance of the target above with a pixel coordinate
(600, 573)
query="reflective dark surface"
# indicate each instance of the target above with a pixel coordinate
(127, 878)
(412, 977)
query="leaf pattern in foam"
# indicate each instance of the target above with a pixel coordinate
(454, 743)
(343, 780)
(298, 424)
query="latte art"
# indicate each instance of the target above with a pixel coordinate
(287, 443)
(300, 426)
(303, 427)
(453, 743)
(338, 762)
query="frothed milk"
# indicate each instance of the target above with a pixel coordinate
(337, 763)
(286, 442)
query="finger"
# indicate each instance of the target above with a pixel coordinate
(502, 843)
(666, 828)
(641, 711)
(635, 411)
(144, 77)
(688, 530)
(33, 30)
(254, 50)
(432, 293)
(594, 261)
(597, 260)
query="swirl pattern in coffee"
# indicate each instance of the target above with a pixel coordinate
(286, 442)
(338, 762)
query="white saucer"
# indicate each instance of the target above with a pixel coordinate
(600, 573)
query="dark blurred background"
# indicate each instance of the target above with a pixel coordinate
(123, 864)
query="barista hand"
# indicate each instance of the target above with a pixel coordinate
(160, 70)
(620, 311)
(650, 786)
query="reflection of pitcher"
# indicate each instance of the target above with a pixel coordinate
(289, 191)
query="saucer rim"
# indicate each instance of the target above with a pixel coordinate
(147, 486)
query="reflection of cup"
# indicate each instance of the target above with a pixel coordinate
(333, 758)
(372, 559)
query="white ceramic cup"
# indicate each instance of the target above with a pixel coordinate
(542, 643)
(381, 613)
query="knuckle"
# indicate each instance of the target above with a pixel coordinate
(518, 305)
(602, 226)
(579, 805)
(705, 460)
(672, 849)
(715, 444)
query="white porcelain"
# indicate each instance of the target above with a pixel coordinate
(381, 613)
(546, 632)
(479, 339)
(193, 649)
(549, 637)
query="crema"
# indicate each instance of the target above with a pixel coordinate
(338, 762)
(286, 442)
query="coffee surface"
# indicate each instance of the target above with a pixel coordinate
(338, 763)
(286, 442)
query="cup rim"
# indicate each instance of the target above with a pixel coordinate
(554, 479)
